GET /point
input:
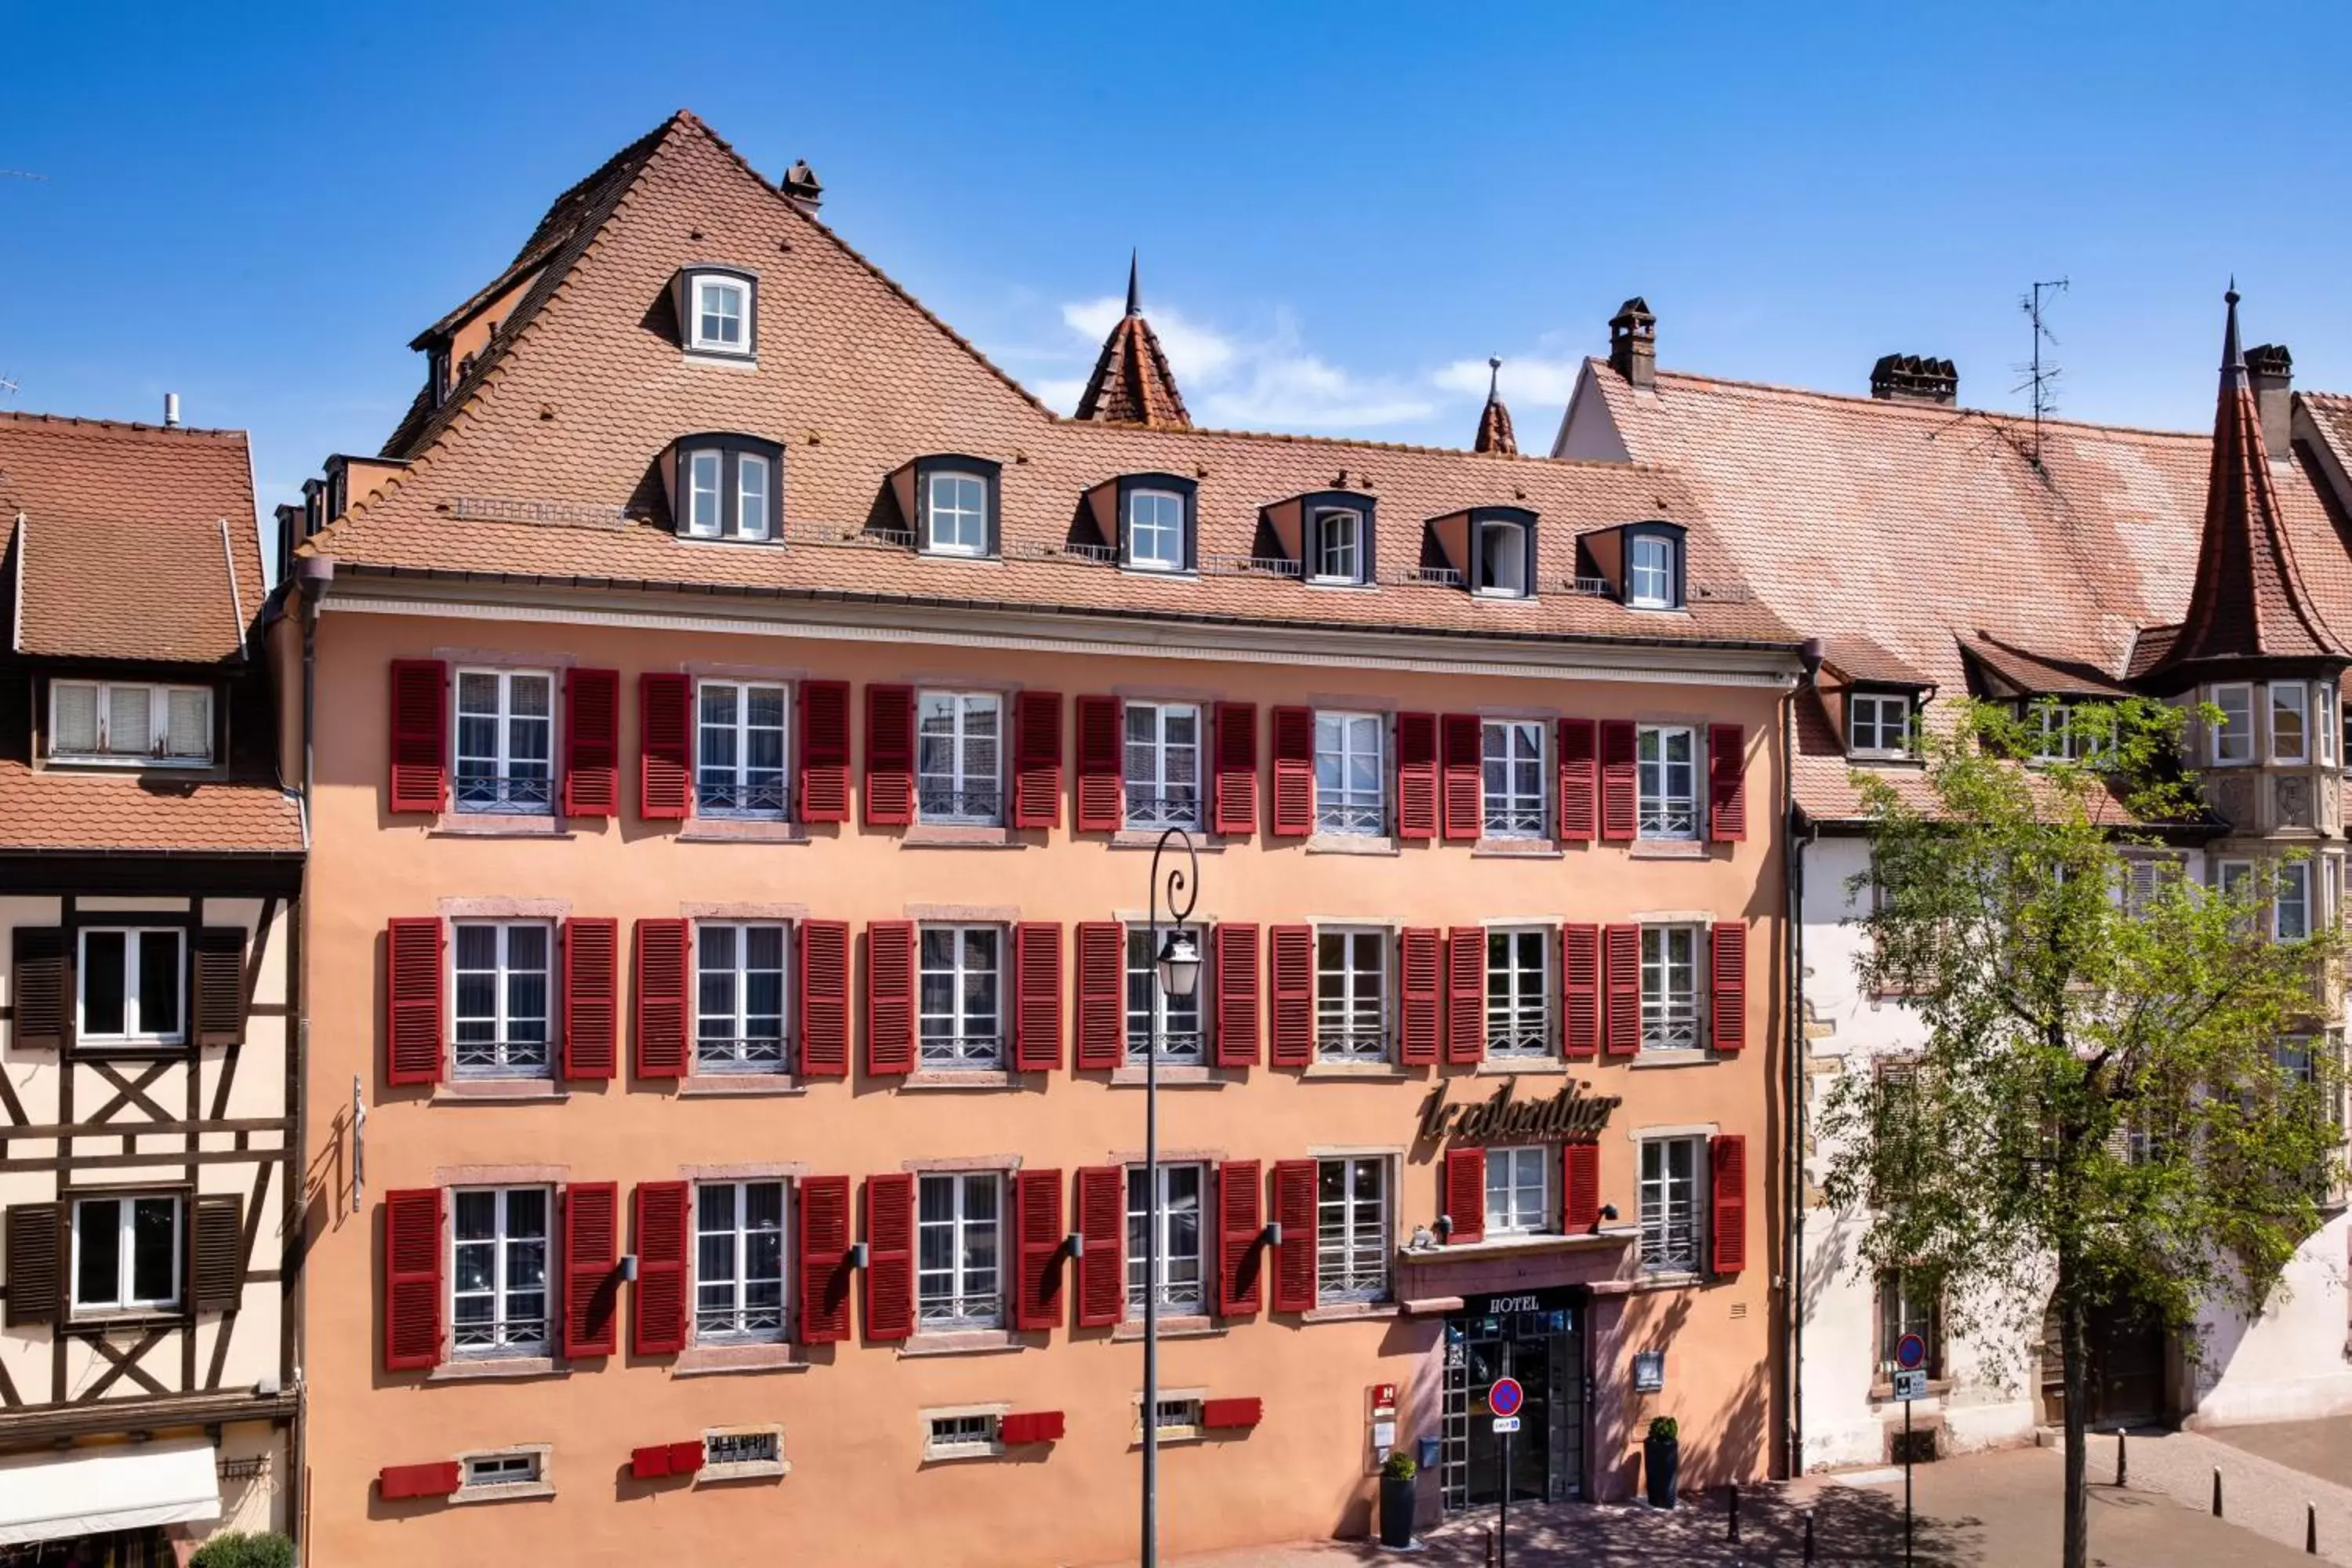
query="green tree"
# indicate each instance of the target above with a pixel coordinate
(235, 1549)
(2122, 1102)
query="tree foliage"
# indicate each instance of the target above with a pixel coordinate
(236, 1549)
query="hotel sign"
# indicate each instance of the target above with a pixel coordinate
(1572, 1116)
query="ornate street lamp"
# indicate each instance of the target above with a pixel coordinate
(1179, 972)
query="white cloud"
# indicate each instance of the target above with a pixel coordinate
(1534, 381)
(1196, 351)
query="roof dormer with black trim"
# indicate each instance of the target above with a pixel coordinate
(1144, 522)
(725, 485)
(1328, 534)
(951, 503)
(1488, 550)
(717, 307)
(1642, 565)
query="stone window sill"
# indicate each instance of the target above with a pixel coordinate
(1668, 849)
(1532, 1242)
(962, 1078)
(739, 1086)
(495, 825)
(706, 1361)
(954, 836)
(740, 830)
(1517, 849)
(1177, 1076)
(1185, 1328)
(1695, 1056)
(500, 1090)
(488, 1368)
(503, 1491)
(1508, 1066)
(971, 1342)
(1351, 844)
(749, 1470)
(1363, 1072)
(1351, 1312)
(1204, 840)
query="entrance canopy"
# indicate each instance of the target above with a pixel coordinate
(89, 1491)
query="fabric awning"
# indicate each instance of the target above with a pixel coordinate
(88, 1491)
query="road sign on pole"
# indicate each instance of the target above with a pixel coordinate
(1910, 1352)
(1506, 1396)
(1506, 1423)
(1910, 1385)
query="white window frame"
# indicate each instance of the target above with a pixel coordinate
(2290, 697)
(1489, 584)
(1177, 1298)
(500, 1240)
(2233, 743)
(706, 503)
(126, 1296)
(1159, 527)
(1667, 1018)
(1666, 813)
(509, 792)
(739, 1326)
(958, 1045)
(730, 789)
(1349, 1025)
(1515, 1214)
(736, 1466)
(1347, 551)
(972, 1298)
(2294, 874)
(955, 513)
(1339, 738)
(963, 784)
(1352, 1253)
(152, 748)
(503, 1469)
(1866, 714)
(1154, 792)
(503, 1060)
(746, 464)
(1507, 811)
(1662, 1194)
(134, 1033)
(701, 341)
(962, 1434)
(2323, 720)
(1519, 1023)
(1177, 1026)
(1637, 595)
(739, 1051)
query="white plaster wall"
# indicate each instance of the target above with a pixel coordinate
(1586, 430)
(2294, 1361)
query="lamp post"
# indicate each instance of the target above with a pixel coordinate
(1178, 963)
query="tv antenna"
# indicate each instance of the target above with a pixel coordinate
(2040, 374)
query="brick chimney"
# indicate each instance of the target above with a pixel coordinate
(2270, 371)
(1908, 378)
(1634, 343)
(803, 188)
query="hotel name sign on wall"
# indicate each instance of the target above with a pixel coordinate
(1572, 1116)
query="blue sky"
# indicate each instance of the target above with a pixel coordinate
(1343, 209)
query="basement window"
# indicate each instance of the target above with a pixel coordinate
(742, 1453)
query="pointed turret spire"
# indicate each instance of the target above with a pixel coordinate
(1495, 420)
(1132, 384)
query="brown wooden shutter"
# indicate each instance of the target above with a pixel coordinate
(1580, 1185)
(38, 986)
(1102, 994)
(1240, 1287)
(1101, 1205)
(592, 742)
(591, 1268)
(1022, 1427)
(216, 1252)
(1294, 1258)
(1100, 787)
(1622, 976)
(1419, 954)
(592, 998)
(412, 1279)
(1579, 969)
(219, 1005)
(1037, 759)
(889, 784)
(824, 998)
(1234, 956)
(1727, 783)
(1038, 996)
(420, 735)
(1416, 775)
(1580, 781)
(662, 1032)
(665, 746)
(1465, 995)
(1294, 773)
(437, 1478)
(1232, 1413)
(1464, 804)
(1234, 808)
(890, 1255)
(1290, 961)
(825, 751)
(664, 1235)
(823, 1261)
(37, 1274)
(412, 1032)
(889, 997)
(1466, 1194)
(1729, 1006)
(1620, 780)
(1037, 1240)
(1727, 1160)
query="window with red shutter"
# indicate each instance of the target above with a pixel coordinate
(1233, 951)
(1465, 995)
(665, 746)
(1294, 1257)
(1620, 779)
(413, 970)
(437, 1478)
(1294, 773)
(592, 742)
(1621, 976)
(1037, 759)
(889, 997)
(591, 1268)
(823, 1265)
(890, 1255)
(889, 784)
(824, 998)
(657, 1300)
(1102, 993)
(1416, 775)
(420, 735)
(1419, 955)
(1728, 1005)
(1037, 1238)
(1726, 1161)
(661, 946)
(1466, 1194)
(825, 751)
(1580, 781)
(1234, 808)
(1101, 1203)
(412, 1279)
(1581, 1188)
(1230, 1414)
(1022, 1427)
(1037, 997)
(1465, 814)
(1100, 803)
(592, 999)
(1579, 969)
(1239, 1288)
(1727, 783)
(1290, 980)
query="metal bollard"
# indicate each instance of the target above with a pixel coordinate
(2216, 1491)
(2311, 1529)
(1490, 1546)
(2123, 1460)
(1809, 1535)
(1734, 1535)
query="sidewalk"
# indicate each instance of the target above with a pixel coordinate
(2268, 1473)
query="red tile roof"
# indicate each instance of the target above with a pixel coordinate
(1495, 420)
(1132, 383)
(57, 809)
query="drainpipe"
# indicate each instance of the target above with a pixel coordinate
(1794, 1160)
(313, 575)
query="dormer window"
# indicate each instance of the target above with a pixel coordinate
(121, 722)
(1155, 530)
(1503, 561)
(1340, 553)
(955, 513)
(726, 487)
(1878, 725)
(1650, 571)
(719, 311)
(1324, 537)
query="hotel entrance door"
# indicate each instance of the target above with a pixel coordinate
(1537, 1337)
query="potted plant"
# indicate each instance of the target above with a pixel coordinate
(1397, 1472)
(1661, 1460)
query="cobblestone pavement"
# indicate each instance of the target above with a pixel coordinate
(2269, 1474)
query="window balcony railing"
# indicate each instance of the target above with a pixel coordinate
(1514, 820)
(526, 792)
(1670, 1031)
(941, 1311)
(1349, 816)
(1671, 819)
(1523, 1035)
(1154, 812)
(740, 1323)
(1335, 1043)
(739, 798)
(1359, 1274)
(1177, 1299)
(961, 1050)
(491, 1057)
(748, 1053)
(508, 1336)
(1185, 1047)
(1672, 1244)
(981, 807)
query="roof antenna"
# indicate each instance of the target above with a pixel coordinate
(1134, 283)
(2041, 378)
(7, 386)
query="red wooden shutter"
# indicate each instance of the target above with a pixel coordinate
(665, 746)
(591, 1268)
(1024, 1426)
(890, 1255)
(1293, 1259)
(1466, 1194)
(1234, 808)
(1037, 759)
(1239, 1289)
(592, 742)
(1727, 783)
(1420, 950)
(1227, 1415)
(1294, 773)
(1464, 807)
(436, 1479)
(1579, 1184)
(1037, 1238)
(1291, 959)
(1038, 996)
(825, 751)
(824, 998)
(1234, 950)
(889, 996)
(592, 998)
(659, 1459)
(1579, 780)
(1465, 995)
(420, 735)
(661, 998)
(657, 1304)
(1102, 1267)
(824, 1262)
(1579, 969)
(1100, 803)
(412, 1029)
(1728, 1006)
(1620, 947)
(1416, 775)
(1102, 994)
(412, 1279)
(1619, 780)
(1727, 1160)
(890, 756)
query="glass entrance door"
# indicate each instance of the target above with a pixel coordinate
(1544, 1350)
